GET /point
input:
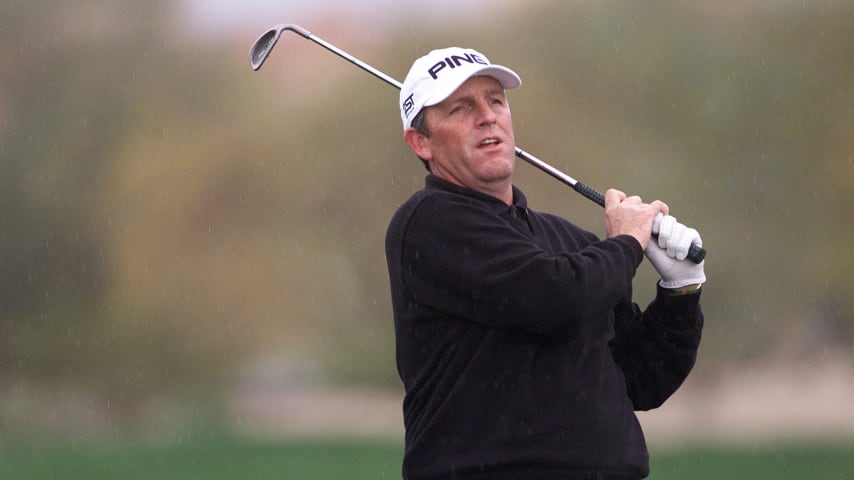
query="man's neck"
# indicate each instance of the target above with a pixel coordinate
(501, 189)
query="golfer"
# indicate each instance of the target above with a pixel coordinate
(518, 343)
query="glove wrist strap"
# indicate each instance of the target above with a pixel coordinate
(686, 290)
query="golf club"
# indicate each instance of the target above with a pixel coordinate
(264, 45)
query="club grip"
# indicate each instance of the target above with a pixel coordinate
(590, 193)
(696, 253)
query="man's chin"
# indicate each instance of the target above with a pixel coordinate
(499, 172)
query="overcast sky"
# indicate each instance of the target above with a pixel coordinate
(238, 13)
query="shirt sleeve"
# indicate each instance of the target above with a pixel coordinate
(463, 258)
(657, 348)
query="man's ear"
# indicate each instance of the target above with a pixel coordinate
(418, 143)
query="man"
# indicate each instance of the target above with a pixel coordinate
(519, 347)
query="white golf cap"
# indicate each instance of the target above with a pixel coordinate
(435, 76)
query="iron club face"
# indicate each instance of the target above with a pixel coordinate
(262, 47)
(264, 44)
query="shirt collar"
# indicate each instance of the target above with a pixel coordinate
(433, 182)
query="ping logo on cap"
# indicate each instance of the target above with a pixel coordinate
(455, 61)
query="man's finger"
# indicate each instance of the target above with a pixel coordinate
(612, 195)
(665, 230)
(661, 207)
(656, 223)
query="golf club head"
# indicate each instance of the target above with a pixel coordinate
(264, 45)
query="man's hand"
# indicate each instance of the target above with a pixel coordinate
(667, 253)
(630, 216)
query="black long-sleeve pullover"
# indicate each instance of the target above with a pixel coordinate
(519, 347)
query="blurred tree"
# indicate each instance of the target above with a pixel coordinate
(74, 76)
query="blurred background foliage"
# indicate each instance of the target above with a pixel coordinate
(172, 223)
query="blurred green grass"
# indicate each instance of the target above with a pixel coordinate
(203, 457)
(789, 461)
(228, 457)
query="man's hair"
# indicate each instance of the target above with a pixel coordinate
(419, 123)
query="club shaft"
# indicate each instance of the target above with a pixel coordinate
(355, 61)
(262, 47)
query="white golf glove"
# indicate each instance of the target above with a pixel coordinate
(667, 253)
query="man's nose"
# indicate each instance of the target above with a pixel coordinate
(485, 114)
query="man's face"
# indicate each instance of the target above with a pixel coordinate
(471, 142)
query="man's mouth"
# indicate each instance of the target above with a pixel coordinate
(489, 141)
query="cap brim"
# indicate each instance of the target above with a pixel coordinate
(506, 77)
